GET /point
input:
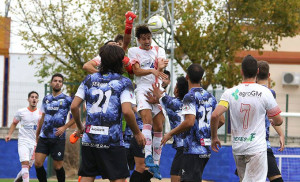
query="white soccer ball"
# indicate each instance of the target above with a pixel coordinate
(157, 24)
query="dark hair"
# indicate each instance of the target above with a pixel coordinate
(111, 59)
(108, 42)
(195, 73)
(167, 73)
(118, 38)
(264, 68)
(182, 86)
(249, 67)
(142, 29)
(32, 92)
(57, 75)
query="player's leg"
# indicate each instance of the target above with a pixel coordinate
(57, 153)
(19, 177)
(41, 152)
(256, 167)
(158, 121)
(177, 165)
(240, 165)
(87, 179)
(274, 174)
(192, 167)
(147, 132)
(25, 152)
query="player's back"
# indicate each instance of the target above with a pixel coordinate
(103, 103)
(248, 103)
(202, 104)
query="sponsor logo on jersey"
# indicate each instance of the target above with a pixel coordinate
(52, 108)
(235, 94)
(245, 139)
(253, 93)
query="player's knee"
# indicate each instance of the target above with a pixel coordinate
(38, 164)
(140, 167)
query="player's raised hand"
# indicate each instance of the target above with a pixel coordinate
(162, 63)
(215, 144)
(151, 99)
(130, 16)
(156, 90)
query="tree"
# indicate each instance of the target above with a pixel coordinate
(209, 32)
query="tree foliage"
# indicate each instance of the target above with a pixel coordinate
(209, 32)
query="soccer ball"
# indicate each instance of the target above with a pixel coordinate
(157, 24)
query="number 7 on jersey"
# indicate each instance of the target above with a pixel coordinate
(245, 108)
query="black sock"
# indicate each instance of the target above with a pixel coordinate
(41, 174)
(147, 176)
(277, 180)
(60, 174)
(136, 176)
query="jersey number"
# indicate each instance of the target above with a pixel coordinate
(99, 106)
(245, 108)
(205, 116)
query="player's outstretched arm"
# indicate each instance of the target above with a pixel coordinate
(39, 127)
(131, 121)
(130, 16)
(11, 130)
(75, 109)
(90, 67)
(188, 123)
(281, 137)
(214, 125)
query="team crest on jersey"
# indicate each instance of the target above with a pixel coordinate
(185, 108)
(235, 94)
(47, 101)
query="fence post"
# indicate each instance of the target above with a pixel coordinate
(286, 118)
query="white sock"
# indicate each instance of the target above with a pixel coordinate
(25, 173)
(147, 128)
(19, 175)
(157, 147)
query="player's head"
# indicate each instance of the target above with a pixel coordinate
(166, 81)
(249, 67)
(264, 68)
(111, 59)
(57, 82)
(181, 88)
(195, 73)
(119, 40)
(144, 36)
(110, 42)
(33, 98)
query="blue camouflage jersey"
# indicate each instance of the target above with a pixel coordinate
(56, 110)
(173, 107)
(268, 123)
(104, 95)
(128, 133)
(200, 103)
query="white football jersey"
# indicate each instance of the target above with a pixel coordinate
(97, 60)
(248, 104)
(28, 121)
(146, 59)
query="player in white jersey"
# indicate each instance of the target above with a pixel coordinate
(120, 40)
(28, 118)
(148, 64)
(248, 104)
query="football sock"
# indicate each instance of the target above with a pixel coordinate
(41, 174)
(157, 147)
(148, 135)
(60, 174)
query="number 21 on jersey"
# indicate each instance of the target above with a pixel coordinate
(103, 97)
